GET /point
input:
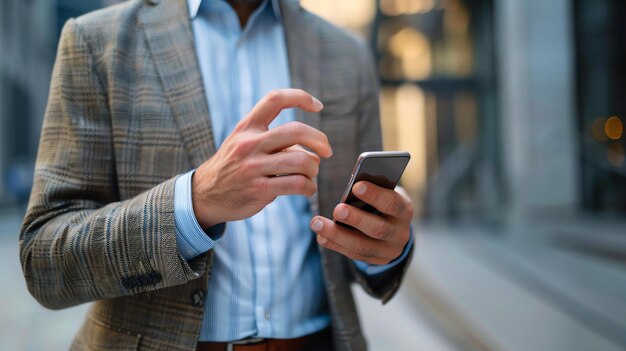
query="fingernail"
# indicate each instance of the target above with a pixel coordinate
(321, 239)
(343, 213)
(317, 225)
(318, 104)
(360, 189)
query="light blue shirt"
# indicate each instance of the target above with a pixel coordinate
(267, 279)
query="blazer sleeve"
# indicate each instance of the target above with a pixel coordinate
(78, 242)
(382, 286)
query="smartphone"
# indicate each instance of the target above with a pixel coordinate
(383, 168)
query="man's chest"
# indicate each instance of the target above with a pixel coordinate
(180, 104)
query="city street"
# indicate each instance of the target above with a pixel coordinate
(512, 112)
(21, 314)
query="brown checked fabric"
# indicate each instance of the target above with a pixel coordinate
(127, 113)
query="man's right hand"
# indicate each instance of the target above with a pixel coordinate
(254, 165)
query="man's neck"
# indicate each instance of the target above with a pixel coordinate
(244, 8)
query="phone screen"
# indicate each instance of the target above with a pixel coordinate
(383, 170)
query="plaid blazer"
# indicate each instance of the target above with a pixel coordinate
(126, 114)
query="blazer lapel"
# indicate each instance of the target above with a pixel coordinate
(171, 44)
(304, 55)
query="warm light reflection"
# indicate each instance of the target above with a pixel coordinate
(456, 19)
(413, 50)
(597, 129)
(354, 14)
(401, 7)
(455, 54)
(615, 154)
(388, 121)
(409, 122)
(411, 134)
(613, 128)
(419, 6)
(465, 118)
(405, 126)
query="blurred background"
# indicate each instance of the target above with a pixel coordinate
(513, 111)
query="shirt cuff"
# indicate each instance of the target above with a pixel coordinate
(191, 239)
(373, 269)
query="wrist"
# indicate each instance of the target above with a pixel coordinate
(200, 208)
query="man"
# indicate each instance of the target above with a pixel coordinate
(222, 257)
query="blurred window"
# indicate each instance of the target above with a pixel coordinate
(67, 9)
(601, 77)
(6, 8)
(436, 63)
(14, 139)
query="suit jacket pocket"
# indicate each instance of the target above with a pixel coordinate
(97, 336)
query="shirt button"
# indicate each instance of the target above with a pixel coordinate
(267, 314)
(197, 298)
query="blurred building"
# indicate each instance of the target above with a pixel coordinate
(510, 108)
(29, 34)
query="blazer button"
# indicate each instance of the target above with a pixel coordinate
(154, 277)
(197, 298)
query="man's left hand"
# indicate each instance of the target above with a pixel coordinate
(375, 239)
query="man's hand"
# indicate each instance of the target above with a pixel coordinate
(375, 239)
(254, 165)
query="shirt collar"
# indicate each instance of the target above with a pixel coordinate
(194, 7)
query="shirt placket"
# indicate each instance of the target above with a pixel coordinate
(261, 250)
(242, 101)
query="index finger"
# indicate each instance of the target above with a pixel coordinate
(297, 133)
(297, 148)
(275, 101)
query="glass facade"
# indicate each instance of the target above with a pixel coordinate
(600, 71)
(30, 32)
(437, 72)
(438, 100)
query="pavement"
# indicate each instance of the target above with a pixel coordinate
(492, 292)
(26, 325)
(400, 324)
